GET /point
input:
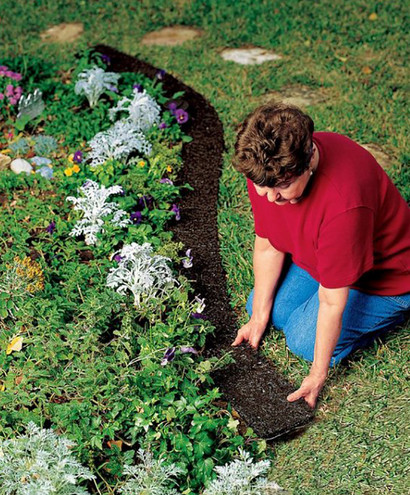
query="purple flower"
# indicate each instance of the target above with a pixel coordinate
(177, 212)
(51, 227)
(78, 157)
(168, 356)
(105, 59)
(136, 217)
(138, 87)
(187, 262)
(166, 181)
(188, 350)
(118, 258)
(3, 68)
(181, 116)
(114, 89)
(145, 201)
(198, 316)
(162, 125)
(160, 74)
(172, 107)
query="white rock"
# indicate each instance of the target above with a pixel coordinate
(249, 56)
(19, 165)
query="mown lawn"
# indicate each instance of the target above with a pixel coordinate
(355, 52)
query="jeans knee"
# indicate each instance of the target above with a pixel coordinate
(300, 345)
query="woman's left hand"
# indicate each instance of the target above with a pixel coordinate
(310, 389)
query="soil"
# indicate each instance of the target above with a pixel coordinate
(253, 386)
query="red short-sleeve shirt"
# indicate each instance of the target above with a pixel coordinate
(351, 229)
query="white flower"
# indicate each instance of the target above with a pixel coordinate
(143, 110)
(147, 277)
(94, 82)
(94, 206)
(118, 142)
(200, 305)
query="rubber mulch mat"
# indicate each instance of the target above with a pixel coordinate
(256, 390)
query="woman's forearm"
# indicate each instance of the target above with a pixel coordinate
(332, 303)
(267, 267)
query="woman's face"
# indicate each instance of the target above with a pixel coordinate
(288, 192)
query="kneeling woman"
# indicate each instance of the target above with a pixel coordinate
(323, 200)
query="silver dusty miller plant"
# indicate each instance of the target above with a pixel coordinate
(31, 105)
(146, 276)
(94, 206)
(143, 111)
(40, 463)
(151, 477)
(94, 82)
(117, 143)
(242, 477)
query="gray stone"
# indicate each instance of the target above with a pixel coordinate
(301, 96)
(19, 165)
(383, 159)
(171, 36)
(249, 56)
(67, 32)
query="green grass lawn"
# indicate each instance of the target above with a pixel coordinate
(357, 443)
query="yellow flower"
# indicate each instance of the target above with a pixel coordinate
(15, 345)
(71, 158)
(7, 150)
(141, 164)
(68, 172)
(169, 168)
(373, 16)
(76, 168)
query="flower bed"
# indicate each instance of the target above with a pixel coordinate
(101, 334)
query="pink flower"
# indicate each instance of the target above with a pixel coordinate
(3, 68)
(13, 101)
(1, 96)
(17, 76)
(10, 74)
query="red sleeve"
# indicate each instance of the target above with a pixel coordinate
(345, 248)
(259, 215)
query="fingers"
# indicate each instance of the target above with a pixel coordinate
(308, 395)
(295, 395)
(239, 339)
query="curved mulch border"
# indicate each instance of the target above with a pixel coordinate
(256, 390)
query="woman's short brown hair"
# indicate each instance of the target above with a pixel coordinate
(274, 144)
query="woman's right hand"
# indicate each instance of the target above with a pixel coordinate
(252, 333)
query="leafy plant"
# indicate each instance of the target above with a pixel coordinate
(94, 206)
(94, 82)
(143, 111)
(147, 277)
(242, 477)
(117, 143)
(40, 463)
(151, 477)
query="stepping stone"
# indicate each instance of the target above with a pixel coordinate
(383, 159)
(249, 56)
(67, 32)
(171, 36)
(301, 96)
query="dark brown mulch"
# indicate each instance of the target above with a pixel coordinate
(252, 385)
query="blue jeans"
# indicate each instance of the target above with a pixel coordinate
(365, 317)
